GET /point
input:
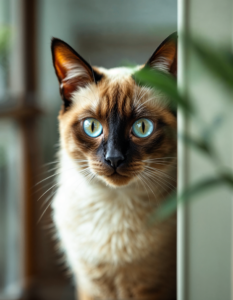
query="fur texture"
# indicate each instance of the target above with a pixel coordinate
(101, 211)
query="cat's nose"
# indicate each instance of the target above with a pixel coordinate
(114, 158)
(115, 161)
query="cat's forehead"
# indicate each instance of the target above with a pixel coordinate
(106, 96)
(117, 90)
(116, 85)
(120, 73)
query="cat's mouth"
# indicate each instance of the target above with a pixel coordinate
(117, 179)
(115, 173)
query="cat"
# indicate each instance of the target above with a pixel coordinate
(117, 163)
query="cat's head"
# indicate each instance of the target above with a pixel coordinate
(109, 125)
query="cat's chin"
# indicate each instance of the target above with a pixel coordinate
(116, 180)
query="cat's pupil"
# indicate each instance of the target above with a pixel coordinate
(143, 127)
(92, 126)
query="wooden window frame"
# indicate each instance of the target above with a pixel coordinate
(22, 107)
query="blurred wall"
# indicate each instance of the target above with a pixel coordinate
(104, 32)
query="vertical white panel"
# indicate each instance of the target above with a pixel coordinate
(182, 161)
(205, 225)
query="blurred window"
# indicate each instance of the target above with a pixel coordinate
(10, 211)
(11, 225)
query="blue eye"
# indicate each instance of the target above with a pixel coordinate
(143, 128)
(92, 127)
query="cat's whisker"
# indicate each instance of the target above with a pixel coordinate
(50, 163)
(56, 183)
(51, 170)
(162, 173)
(58, 168)
(81, 160)
(68, 169)
(49, 197)
(161, 158)
(148, 185)
(150, 166)
(50, 226)
(160, 179)
(46, 170)
(44, 212)
(57, 173)
(159, 162)
(47, 191)
(88, 177)
(159, 182)
(93, 176)
(148, 176)
(42, 187)
(86, 170)
(143, 183)
(47, 178)
(162, 163)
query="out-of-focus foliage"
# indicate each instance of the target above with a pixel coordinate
(165, 83)
(220, 64)
(5, 34)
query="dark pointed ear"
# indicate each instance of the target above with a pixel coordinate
(165, 56)
(72, 70)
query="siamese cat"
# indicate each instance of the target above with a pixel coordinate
(117, 163)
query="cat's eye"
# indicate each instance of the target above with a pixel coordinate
(92, 127)
(142, 128)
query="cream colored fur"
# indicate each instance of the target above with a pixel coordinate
(100, 224)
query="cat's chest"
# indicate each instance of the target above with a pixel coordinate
(96, 225)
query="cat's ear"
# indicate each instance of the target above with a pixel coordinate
(72, 70)
(165, 56)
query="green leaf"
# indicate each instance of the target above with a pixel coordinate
(197, 143)
(165, 83)
(2, 156)
(5, 33)
(164, 210)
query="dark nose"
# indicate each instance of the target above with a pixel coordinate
(114, 158)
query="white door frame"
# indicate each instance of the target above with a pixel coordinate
(205, 224)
